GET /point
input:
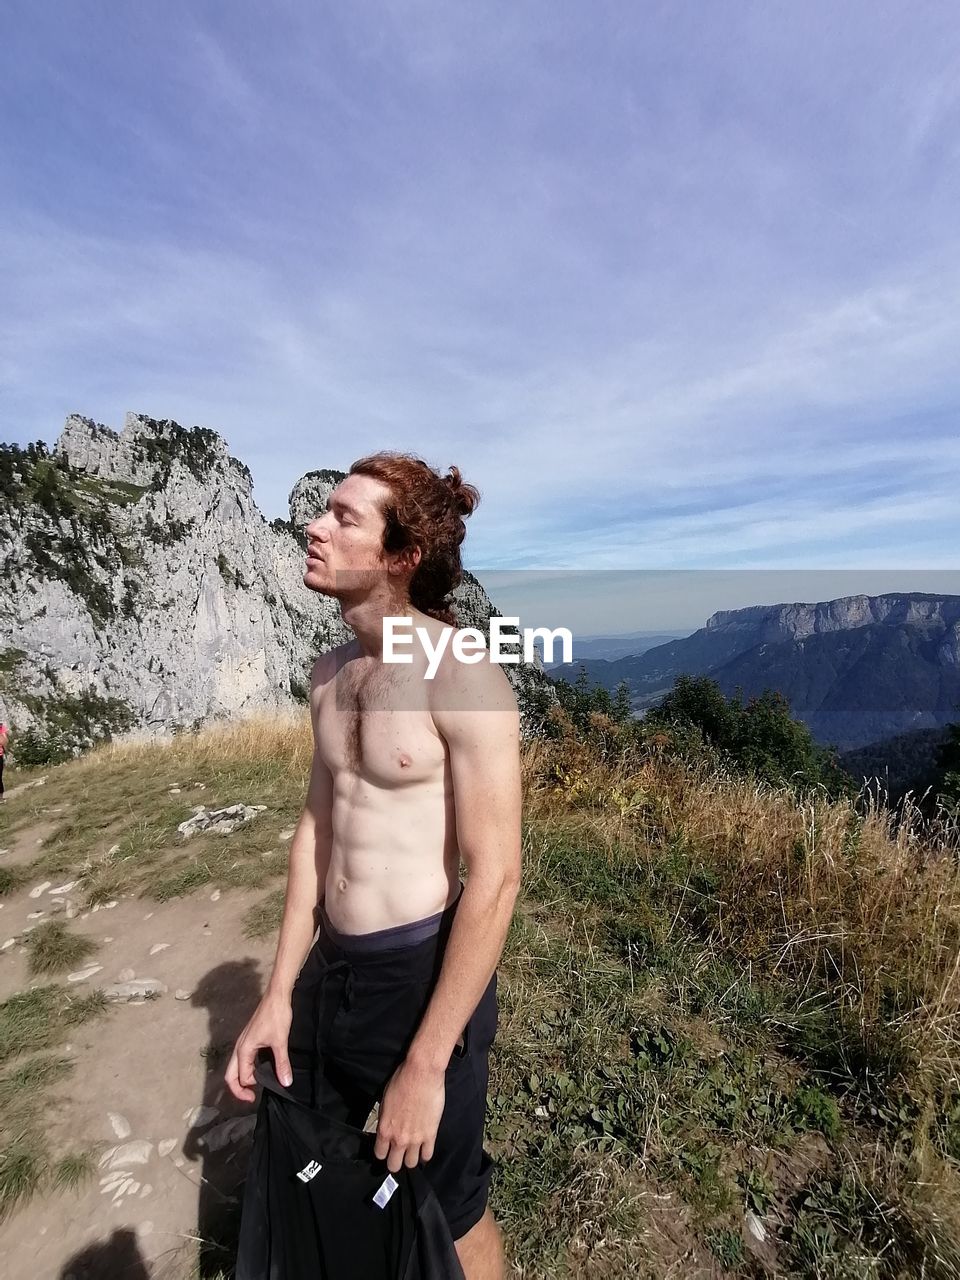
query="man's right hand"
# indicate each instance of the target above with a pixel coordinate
(269, 1028)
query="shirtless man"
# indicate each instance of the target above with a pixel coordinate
(409, 776)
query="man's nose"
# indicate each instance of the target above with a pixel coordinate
(316, 528)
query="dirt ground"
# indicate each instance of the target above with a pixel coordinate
(139, 1081)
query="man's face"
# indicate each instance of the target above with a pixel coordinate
(344, 542)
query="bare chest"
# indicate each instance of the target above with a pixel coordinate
(375, 722)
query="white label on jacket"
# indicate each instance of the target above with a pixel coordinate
(389, 1186)
(310, 1171)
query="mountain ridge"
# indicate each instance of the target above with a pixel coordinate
(855, 669)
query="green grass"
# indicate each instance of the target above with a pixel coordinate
(690, 1030)
(27, 1165)
(53, 949)
(263, 919)
(43, 1017)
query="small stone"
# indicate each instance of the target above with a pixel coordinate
(148, 916)
(95, 908)
(35, 915)
(10, 942)
(71, 911)
(137, 1152)
(755, 1226)
(132, 1188)
(145, 1191)
(166, 1146)
(222, 1135)
(107, 938)
(119, 1124)
(126, 975)
(182, 994)
(158, 947)
(179, 1162)
(197, 1117)
(85, 916)
(215, 896)
(41, 888)
(83, 974)
(39, 839)
(174, 791)
(114, 848)
(64, 888)
(108, 906)
(287, 835)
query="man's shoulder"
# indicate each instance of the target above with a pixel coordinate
(481, 680)
(325, 665)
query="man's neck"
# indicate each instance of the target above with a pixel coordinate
(366, 623)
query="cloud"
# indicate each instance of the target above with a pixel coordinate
(671, 288)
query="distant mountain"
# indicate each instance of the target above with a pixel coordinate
(855, 670)
(631, 644)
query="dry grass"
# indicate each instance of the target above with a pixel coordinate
(710, 985)
(254, 740)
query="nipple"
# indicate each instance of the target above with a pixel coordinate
(404, 761)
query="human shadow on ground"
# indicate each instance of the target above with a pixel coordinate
(220, 1136)
(117, 1258)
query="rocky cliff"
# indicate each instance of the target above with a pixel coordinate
(856, 670)
(142, 583)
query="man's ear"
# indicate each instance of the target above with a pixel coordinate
(406, 561)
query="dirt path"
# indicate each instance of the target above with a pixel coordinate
(177, 1141)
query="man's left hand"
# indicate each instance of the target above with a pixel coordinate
(409, 1118)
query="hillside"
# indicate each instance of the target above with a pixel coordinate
(728, 1019)
(854, 670)
(142, 587)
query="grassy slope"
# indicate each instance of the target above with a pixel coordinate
(718, 1005)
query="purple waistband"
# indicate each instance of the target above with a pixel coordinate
(400, 935)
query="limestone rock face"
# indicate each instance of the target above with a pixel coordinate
(138, 570)
(771, 623)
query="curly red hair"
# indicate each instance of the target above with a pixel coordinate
(425, 510)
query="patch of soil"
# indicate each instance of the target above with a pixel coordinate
(140, 1074)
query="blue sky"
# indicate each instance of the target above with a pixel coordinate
(674, 284)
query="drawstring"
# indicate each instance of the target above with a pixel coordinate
(336, 967)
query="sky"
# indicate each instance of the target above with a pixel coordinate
(674, 284)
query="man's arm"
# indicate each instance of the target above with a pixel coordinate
(475, 710)
(309, 859)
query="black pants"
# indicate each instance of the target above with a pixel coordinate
(356, 1009)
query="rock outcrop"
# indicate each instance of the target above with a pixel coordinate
(141, 581)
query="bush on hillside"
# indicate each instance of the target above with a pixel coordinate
(68, 726)
(759, 738)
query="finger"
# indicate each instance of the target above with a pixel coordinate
(282, 1062)
(231, 1080)
(426, 1151)
(381, 1148)
(412, 1156)
(395, 1158)
(245, 1057)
